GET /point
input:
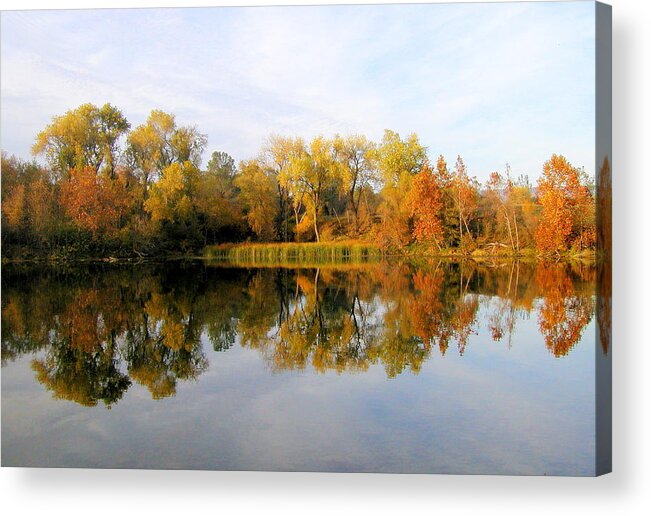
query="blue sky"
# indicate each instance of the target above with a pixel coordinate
(495, 83)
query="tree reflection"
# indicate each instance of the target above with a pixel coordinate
(164, 346)
(322, 322)
(564, 312)
(95, 331)
(85, 377)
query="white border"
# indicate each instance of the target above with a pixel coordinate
(626, 491)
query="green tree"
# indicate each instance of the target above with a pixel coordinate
(222, 166)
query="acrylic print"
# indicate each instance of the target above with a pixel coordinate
(366, 238)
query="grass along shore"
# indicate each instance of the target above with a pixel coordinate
(304, 254)
(309, 254)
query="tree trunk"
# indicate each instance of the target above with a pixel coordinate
(517, 236)
(316, 227)
(460, 221)
(508, 226)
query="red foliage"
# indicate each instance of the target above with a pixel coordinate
(94, 202)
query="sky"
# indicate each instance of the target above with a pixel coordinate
(494, 83)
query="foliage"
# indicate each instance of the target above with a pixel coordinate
(358, 175)
(95, 204)
(567, 216)
(308, 176)
(113, 190)
(425, 205)
(156, 144)
(257, 197)
(84, 137)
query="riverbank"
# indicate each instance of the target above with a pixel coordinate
(311, 254)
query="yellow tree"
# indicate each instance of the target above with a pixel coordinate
(257, 196)
(275, 158)
(398, 161)
(83, 137)
(499, 197)
(171, 201)
(356, 154)
(158, 143)
(310, 173)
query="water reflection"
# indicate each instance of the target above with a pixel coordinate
(94, 331)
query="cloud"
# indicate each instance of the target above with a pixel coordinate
(493, 82)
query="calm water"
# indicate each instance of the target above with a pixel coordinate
(446, 368)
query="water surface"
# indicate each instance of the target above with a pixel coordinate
(442, 368)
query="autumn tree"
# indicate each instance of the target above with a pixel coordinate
(94, 203)
(525, 210)
(14, 212)
(397, 157)
(30, 211)
(398, 161)
(567, 208)
(448, 213)
(87, 136)
(159, 142)
(171, 203)
(216, 199)
(275, 158)
(356, 154)
(310, 173)
(221, 166)
(425, 204)
(257, 197)
(503, 200)
(465, 196)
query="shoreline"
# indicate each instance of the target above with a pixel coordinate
(313, 254)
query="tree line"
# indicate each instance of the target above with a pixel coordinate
(109, 187)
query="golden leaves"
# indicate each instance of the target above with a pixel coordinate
(425, 204)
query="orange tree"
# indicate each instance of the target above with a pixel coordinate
(425, 202)
(566, 204)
